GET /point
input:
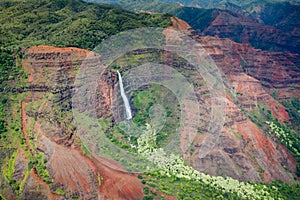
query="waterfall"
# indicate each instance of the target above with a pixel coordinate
(124, 97)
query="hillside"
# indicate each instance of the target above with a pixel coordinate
(284, 16)
(247, 5)
(256, 26)
(63, 134)
(66, 23)
(60, 23)
(281, 14)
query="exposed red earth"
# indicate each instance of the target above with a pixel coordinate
(242, 151)
(70, 169)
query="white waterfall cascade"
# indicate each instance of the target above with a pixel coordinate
(124, 97)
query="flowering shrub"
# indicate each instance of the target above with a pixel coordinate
(173, 165)
(285, 137)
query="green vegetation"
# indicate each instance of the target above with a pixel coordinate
(286, 133)
(293, 108)
(47, 22)
(41, 168)
(200, 14)
(175, 178)
(10, 140)
(99, 179)
(67, 23)
(2, 117)
(60, 191)
(112, 142)
(85, 151)
(22, 184)
(117, 135)
(7, 64)
(198, 18)
(74, 23)
(260, 115)
(12, 75)
(138, 5)
(288, 138)
(281, 15)
(2, 197)
(38, 162)
(8, 172)
(143, 101)
(279, 189)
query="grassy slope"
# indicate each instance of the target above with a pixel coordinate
(66, 23)
(198, 18)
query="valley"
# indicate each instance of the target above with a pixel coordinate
(66, 134)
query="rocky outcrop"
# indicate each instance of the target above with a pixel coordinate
(243, 151)
(250, 94)
(35, 188)
(48, 128)
(245, 30)
(21, 165)
(274, 70)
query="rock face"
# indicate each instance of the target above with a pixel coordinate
(251, 94)
(46, 121)
(245, 30)
(21, 164)
(35, 188)
(270, 26)
(242, 151)
(274, 70)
